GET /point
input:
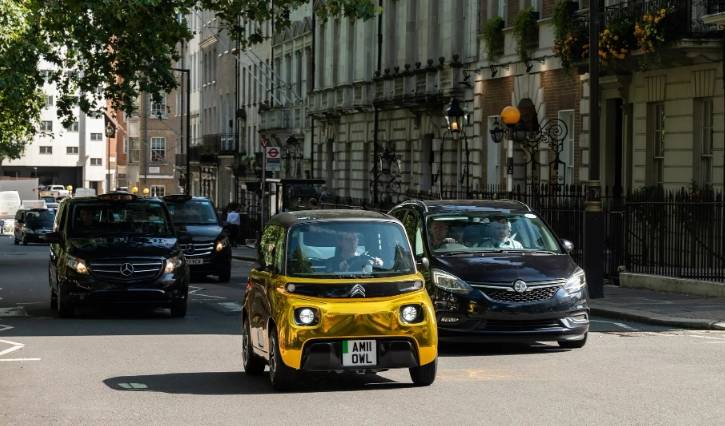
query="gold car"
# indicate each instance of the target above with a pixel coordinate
(337, 290)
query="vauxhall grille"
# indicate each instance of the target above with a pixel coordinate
(535, 291)
(127, 269)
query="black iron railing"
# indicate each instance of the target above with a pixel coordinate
(686, 14)
(677, 234)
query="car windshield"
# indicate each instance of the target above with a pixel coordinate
(193, 212)
(348, 249)
(128, 218)
(489, 231)
(39, 219)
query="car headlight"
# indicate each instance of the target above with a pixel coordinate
(78, 265)
(411, 314)
(306, 316)
(576, 282)
(449, 282)
(172, 263)
(221, 244)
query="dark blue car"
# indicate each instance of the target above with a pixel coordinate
(496, 272)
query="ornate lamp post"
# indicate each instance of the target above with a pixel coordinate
(510, 116)
(454, 118)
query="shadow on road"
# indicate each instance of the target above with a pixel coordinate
(238, 383)
(494, 349)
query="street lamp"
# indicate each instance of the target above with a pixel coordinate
(510, 116)
(455, 117)
(146, 192)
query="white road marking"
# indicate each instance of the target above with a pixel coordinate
(13, 312)
(4, 327)
(618, 324)
(29, 303)
(18, 359)
(231, 306)
(133, 386)
(14, 347)
(208, 296)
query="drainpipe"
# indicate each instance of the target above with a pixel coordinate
(311, 82)
(376, 172)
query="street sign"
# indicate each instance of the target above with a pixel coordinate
(272, 153)
(274, 165)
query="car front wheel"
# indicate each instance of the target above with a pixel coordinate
(280, 375)
(64, 307)
(424, 375)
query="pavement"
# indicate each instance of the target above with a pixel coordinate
(652, 307)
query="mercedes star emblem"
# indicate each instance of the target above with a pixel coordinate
(357, 291)
(519, 286)
(126, 269)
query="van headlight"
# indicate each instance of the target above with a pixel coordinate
(172, 263)
(221, 244)
(77, 264)
(306, 316)
(411, 314)
(576, 282)
(449, 282)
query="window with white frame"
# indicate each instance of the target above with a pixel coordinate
(73, 127)
(502, 9)
(158, 191)
(565, 171)
(96, 136)
(71, 150)
(49, 101)
(134, 150)
(655, 167)
(96, 162)
(158, 109)
(46, 149)
(493, 156)
(158, 149)
(703, 142)
(46, 126)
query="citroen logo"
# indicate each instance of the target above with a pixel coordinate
(519, 286)
(357, 291)
(126, 269)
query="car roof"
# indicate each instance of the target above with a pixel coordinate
(105, 198)
(300, 216)
(452, 206)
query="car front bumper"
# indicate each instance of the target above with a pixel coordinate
(318, 347)
(475, 317)
(162, 291)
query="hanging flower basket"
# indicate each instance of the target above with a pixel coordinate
(617, 41)
(655, 29)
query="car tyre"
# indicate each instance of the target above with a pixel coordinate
(64, 307)
(573, 344)
(226, 275)
(424, 375)
(24, 241)
(178, 308)
(15, 241)
(280, 376)
(253, 365)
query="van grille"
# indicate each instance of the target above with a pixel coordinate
(198, 248)
(127, 269)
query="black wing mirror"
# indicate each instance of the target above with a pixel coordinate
(423, 264)
(50, 238)
(568, 246)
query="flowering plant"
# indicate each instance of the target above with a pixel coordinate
(571, 42)
(616, 41)
(651, 31)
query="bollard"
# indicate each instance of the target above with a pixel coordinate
(594, 241)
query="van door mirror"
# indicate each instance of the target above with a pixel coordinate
(568, 246)
(423, 263)
(50, 238)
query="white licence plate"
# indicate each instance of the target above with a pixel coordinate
(356, 353)
(195, 261)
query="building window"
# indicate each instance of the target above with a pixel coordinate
(703, 142)
(96, 136)
(655, 169)
(134, 150)
(71, 150)
(158, 191)
(46, 126)
(158, 149)
(46, 149)
(158, 109)
(96, 162)
(502, 9)
(73, 127)
(49, 101)
(566, 170)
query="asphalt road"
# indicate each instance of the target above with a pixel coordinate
(143, 367)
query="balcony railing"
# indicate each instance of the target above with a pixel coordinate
(715, 6)
(687, 13)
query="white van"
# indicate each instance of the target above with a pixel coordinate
(9, 205)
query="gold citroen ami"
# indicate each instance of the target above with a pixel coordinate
(337, 290)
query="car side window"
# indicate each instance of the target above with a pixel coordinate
(418, 243)
(280, 248)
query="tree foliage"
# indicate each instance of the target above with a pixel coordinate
(116, 49)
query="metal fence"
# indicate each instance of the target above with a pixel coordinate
(676, 234)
